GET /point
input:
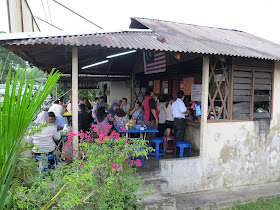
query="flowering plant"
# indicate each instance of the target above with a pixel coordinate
(103, 178)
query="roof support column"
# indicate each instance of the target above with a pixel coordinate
(132, 90)
(75, 101)
(204, 105)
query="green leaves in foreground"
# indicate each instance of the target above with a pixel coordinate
(18, 111)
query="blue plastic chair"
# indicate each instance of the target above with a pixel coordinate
(50, 157)
(158, 151)
(182, 145)
(142, 160)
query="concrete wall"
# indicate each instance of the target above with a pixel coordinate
(120, 90)
(192, 134)
(234, 154)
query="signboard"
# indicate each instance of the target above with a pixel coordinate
(196, 92)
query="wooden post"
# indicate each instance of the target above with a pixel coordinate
(132, 90)
(204, 104)
(75, 100)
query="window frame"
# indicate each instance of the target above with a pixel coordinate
(242, 67)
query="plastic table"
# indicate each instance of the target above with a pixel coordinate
(149, 129)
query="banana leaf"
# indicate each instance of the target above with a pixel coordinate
(18, 111)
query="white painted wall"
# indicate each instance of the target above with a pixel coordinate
(235, 154)
(119, 90)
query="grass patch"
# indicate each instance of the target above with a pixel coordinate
(260, 204)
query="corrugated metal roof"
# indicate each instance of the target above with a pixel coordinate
(209, 40)
(179, 37)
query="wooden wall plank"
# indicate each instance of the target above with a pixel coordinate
(262, 87)
(263, 81)
(263, 75)
(241, 98)
(242, 87)
(242, 80)
(262, 98)
(242, 74)
(241, 92)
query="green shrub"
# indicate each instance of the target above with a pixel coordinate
(103, 178)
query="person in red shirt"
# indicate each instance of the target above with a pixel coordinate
(150, 112)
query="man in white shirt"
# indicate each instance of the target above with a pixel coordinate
(44, 141)
(179, 111)
(94, 108)
(57, 109)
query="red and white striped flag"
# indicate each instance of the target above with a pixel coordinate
(154, 62)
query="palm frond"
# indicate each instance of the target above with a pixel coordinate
(17, 113)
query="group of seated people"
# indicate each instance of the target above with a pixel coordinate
(119, 113)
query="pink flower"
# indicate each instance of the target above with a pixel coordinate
(138, 162)
(81, 164)
(81, 152)
(114, 166)
(117, 135)
(123, 128)
(62, 155)
(70, 158)
(126, 142)
(109, 126)
(75, 150)
(67, 145)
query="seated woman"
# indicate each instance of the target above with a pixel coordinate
(121, 117)
(103, 119)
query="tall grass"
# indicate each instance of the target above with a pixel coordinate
(16, 114)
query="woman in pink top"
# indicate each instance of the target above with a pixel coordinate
(103, 119)
(169, 117)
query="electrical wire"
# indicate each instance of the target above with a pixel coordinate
(48, 23)
(49, 11)
(77, 14)
(45, 12)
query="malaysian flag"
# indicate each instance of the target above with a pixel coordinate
(154, 62)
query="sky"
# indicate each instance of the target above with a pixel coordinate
(258, 17)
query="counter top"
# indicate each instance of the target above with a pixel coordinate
(190, 122)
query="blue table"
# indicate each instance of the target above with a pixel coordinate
(149, 129)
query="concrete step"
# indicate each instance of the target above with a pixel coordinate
(150, 174)
(159, 201)
(159, 185)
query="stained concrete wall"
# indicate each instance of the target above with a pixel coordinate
(235, 154)
(192, 134)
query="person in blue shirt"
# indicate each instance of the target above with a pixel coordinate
(101, 102)
(179, 111)
(57, 121)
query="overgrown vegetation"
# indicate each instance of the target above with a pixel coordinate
(16, 114)
(104, 177)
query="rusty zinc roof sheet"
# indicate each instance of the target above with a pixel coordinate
(208, 40)
(179, 37)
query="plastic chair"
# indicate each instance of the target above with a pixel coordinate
(158, 151)
(182, 145)
(49, 157)
(169, 148)
(142, 160)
